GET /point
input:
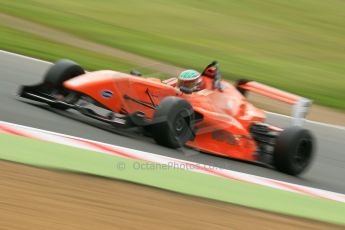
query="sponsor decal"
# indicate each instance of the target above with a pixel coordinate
(106, 94)
(224, 136)
(230, 105)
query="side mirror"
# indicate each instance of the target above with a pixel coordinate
(186, 90)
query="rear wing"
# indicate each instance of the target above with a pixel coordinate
(300, 104)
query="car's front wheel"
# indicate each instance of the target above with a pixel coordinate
(61, 71)
(173, 122)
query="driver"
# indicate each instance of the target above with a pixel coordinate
(190, 79)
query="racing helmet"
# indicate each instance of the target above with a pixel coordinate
(190, 79)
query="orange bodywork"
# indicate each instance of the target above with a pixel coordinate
(227, 117)
(119, 84)
(226, 114)
(270, 92)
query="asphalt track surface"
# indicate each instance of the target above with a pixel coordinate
(327, 171)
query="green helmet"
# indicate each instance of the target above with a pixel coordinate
(190, 79)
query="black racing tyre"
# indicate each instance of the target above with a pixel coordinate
(61, 71)
(173, 122)
(294, 150)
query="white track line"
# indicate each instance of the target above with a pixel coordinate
(44, 135)
(272, 113)
(23, 56)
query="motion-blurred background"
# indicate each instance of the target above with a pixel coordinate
(298, 46)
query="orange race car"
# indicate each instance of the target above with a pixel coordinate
(195, 109)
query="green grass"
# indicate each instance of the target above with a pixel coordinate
(31, 45)
(45, 154)
(298, 46)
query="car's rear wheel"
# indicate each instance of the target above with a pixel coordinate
(61, 71)
(173, 122)
(294, 150)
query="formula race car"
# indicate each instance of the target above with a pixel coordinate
(214, 118)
